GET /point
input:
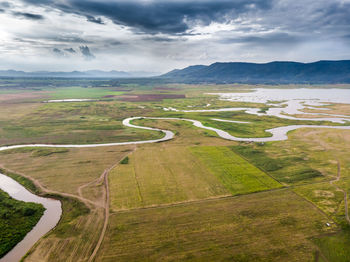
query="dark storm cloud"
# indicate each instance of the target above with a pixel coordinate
(57, 52)
(95, 20)
(336, 14)
(115, 43)
(86, 52)
(160, 39)
(264, 39)
(70, 50)
(69, 39)
(325, 17)
(5, 4)
(160, 15)
(28, 15)
(2, 10)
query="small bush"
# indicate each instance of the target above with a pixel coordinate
(125, 161)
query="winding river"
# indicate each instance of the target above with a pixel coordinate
(48, 221)
(53, 207)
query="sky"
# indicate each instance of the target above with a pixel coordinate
(160, 35)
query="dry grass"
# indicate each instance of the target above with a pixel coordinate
(64, 172)
(162, 174)
(269, 226)
(20, 97)
(337, 109)
(71, 173)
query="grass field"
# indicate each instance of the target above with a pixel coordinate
(235, 173)
(78, 166)
(76, 123)
(335, 247)
(257, 227)
(162, 175)
(325, 196)
(292, 168)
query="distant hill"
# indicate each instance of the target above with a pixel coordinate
(76, 74)
(269, 73)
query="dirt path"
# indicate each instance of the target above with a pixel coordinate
(44, 190)
(104, 176)
(342, 190)
(326, 147)
(106, 218)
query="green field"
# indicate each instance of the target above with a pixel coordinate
(235, 173)
(286, 168)
(74, 123)
(335, 247)
(158, 175)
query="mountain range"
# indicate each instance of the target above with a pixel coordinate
(322, 72)
(77, 74)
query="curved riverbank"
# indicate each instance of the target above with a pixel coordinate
(46, 223)
(278, 133)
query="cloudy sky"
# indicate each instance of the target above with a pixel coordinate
(160, 35)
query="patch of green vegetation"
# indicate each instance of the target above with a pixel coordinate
(237, 174)
(259, 158)
(125, 161)
(288, 169)
(335, 247)
(17, 218)
(264, 109)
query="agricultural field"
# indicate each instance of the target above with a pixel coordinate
(197, 197)
(165, 175)
(236, 173)
(257, 227)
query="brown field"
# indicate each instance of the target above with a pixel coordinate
(79, 166)
(149, 97)
(23, 96)
(337, 109)
(270, 226)
(166, 88)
